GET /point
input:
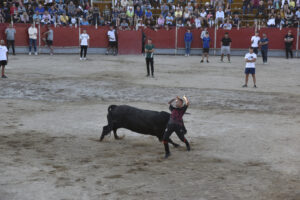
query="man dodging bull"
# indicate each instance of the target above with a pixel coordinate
(175, 123)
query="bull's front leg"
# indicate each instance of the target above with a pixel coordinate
(116, 135)
(173, 143)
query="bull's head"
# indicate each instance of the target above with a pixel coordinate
(105, 131)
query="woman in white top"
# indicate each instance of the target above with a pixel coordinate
(84, 43)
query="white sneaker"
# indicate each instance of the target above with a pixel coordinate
(84, 58)
(188, 54)
(80, 58)
(36, 53)
(29, 53)
(185, 55)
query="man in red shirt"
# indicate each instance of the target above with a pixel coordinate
(175, 123)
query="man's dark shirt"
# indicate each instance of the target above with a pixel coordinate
(226, 41)
(177, 114)
(289, 44)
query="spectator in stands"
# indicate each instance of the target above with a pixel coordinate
(188, 38)
(30, 12)
(225, 47)
(106, 13)
(288, 40)
(2, 18)
(227, 25)
(169, 20)
(179, 23)
(84, 40)
(96, 15)
(186, 15)
(71, 9)
(140, 25)
(130, 15)
(138, 13)
(206, 41)
(37, 17)
(46, 19)
(150, 24)
(64, 20)
(73, 21)
(264, 42)
(115, 17)
(247, 6)
(40, 9)
(198, 22)
(85, 22)
(285, 2)
(3, 58)
(160, 21)
(298, 13)
(13, 10)
(124, 25)
(61, 8)
(178, 14)
(228, 9)
(112, 40)
(164, 10)
(48, 40)
(148, 14)
(32, 32)
(190, 7)
(254, 42)
(6, 11)
(236, 21)
(261, 9)
(220, 16)
(10, 38)
(278, 20)
(21, 9)
(271, 21)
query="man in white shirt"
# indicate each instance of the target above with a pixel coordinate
(32, 32)
(112, 40)
(220, 15)
(254, 42)
(3, 57)
(84, 43)
(250, 59)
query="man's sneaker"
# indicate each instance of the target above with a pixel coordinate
(80, 58)
(244, 85)
(106, 53)
(84, 58)
(229, 61)
(29, 53)
(185, 55)
(147, 75)
(255, 86)
(207, 61)
(221, 60)
(201, 61)
(153, 76)
(3, 76)
(167, 155)
(36, 53)
(188, 54)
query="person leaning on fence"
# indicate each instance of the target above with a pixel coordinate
(49, 39)
(149, 50)
(288, 40)
(188, 38)
(112, 41)
(32, 32)
(225, 47)
(10, 37)
(264, 42)
(84, 43)
(254, 42)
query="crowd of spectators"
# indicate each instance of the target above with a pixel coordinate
(129, 14)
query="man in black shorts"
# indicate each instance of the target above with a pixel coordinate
(49, 39)
(175, 123)
(3, 57)
(112, 40)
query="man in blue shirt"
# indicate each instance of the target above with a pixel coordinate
(188, 38)
(264, 48)
(206, 41)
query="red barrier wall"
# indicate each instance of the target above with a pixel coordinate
(130, 42)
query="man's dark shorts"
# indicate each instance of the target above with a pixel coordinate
(205, 50)
(249, 70)
(49, 42)
(113, 44)
(3, 62)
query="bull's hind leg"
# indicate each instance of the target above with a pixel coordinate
(115, 135)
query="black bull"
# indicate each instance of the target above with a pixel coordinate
(137, 120)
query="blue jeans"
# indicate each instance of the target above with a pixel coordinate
(32, 42)
(188, 47)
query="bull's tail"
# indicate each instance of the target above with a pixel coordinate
(109, 127)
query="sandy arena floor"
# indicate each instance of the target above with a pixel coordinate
(245, 142)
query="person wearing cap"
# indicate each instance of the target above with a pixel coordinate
(175, 123)
(3, 58)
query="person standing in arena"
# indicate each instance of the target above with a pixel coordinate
(188, 38)
(49, 39)
(175, 123)
(250, 59)
(112, 40)
(254, 42)
(149, 50)
(225, 47)
(3, 58)
(10, 37)
(84, 43)
(206, 41)
(288, 40)
(264, 42)
(32, 32)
